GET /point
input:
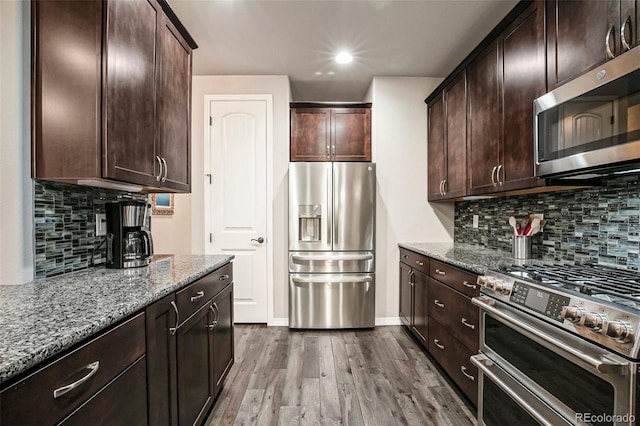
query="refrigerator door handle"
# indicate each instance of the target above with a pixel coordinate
(333, 280)
(321, 257)
(329, 213)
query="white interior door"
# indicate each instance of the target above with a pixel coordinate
(237, 205)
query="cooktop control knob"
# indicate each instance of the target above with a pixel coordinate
(619, 330)
(593, 320)
(572, 313)
(489, 283)
(482, 280)
(501, 287)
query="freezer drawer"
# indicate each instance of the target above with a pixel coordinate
(331, 262)
(331, 300)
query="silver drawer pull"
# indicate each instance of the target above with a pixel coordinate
(404, 256)
(420, 263)
(437, 343)
(199, 295)
(439, 272)
(93, 367)
(471, 326)
(438, 304)
(173, 330)
(467, 375)
(466, 284)
(224, 277)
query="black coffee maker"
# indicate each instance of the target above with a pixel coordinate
(128, 245)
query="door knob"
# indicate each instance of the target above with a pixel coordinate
(260, 240)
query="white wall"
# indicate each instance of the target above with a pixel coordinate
(16, 191)
(279, 88)
(172, 234)
(399, 148)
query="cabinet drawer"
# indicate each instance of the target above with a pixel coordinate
(456, 312)
(462, 281)
(415, 260)
(91, 366)
(453, 357)
(197, 294)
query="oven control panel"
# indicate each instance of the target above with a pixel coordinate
(543, 302)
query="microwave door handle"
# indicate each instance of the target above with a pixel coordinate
(524, 400)
(528, 329)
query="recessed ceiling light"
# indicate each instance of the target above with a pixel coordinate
(344, 58)
(330, 73)
(318, 73)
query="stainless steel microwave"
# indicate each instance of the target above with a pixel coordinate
(590, 126)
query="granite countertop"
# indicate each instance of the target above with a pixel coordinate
(42, 318)
(466, 256)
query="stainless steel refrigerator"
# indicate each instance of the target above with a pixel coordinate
(332, 245)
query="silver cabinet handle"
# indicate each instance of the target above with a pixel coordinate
(500, 181)
(333, 148)
(328, 153)
(467, 375)
(216, 314)
(438, 304)
(471, 326)
(439, 272)
(199, 295)
(610, 54)
(223, 277)
(420, 263)
(444, 187)
(466, 284)
(493, 174)
(173, 330)
(93, 369)
(404, 256)
(623, 39)
(160, 172)
(166, 169)
(437, 343)
(440, 189)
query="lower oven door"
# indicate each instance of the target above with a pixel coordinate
(549, 375)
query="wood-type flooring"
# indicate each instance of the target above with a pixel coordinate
(376, 377)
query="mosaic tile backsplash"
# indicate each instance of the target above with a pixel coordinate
(598, 224)
(64, 226)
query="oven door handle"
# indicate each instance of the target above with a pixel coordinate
(604, 366)
(537, 409)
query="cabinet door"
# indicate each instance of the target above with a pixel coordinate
(420, 312)
(195, 360)
(576, 37)
(523, 41)
(629, 18)
(406, 294)
(484, 121)
(130, 102)
(351, 134)
(222, 337)
(456, 137)
(311, 134)
(174, 106)
(161, 363)
(436, 149)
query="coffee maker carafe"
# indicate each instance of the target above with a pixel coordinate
(128, 245)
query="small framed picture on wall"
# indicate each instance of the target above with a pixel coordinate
(162, 204)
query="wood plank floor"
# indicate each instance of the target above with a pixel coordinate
(376, 377)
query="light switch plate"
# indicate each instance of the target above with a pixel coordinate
(101, 224)
(476, 219)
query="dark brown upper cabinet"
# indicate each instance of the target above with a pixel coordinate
(447, 118)
(584, 34)
(323, 133)
(503, 81)
(118, 111)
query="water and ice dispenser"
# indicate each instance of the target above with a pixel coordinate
(309, 222)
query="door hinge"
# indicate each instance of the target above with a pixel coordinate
(209, 176)
(210, 237)
(210, 121)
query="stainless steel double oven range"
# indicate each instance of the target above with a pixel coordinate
(559, 344)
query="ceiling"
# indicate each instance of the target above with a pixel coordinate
(299, 38)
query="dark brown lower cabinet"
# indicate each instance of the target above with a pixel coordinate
(122, 403)
(420, 312)
(406, 294)
(188, 362)
(195, 364)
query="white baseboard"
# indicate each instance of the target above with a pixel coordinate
(279, 322)
(388, 321)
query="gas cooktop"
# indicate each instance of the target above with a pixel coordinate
(618, 286)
